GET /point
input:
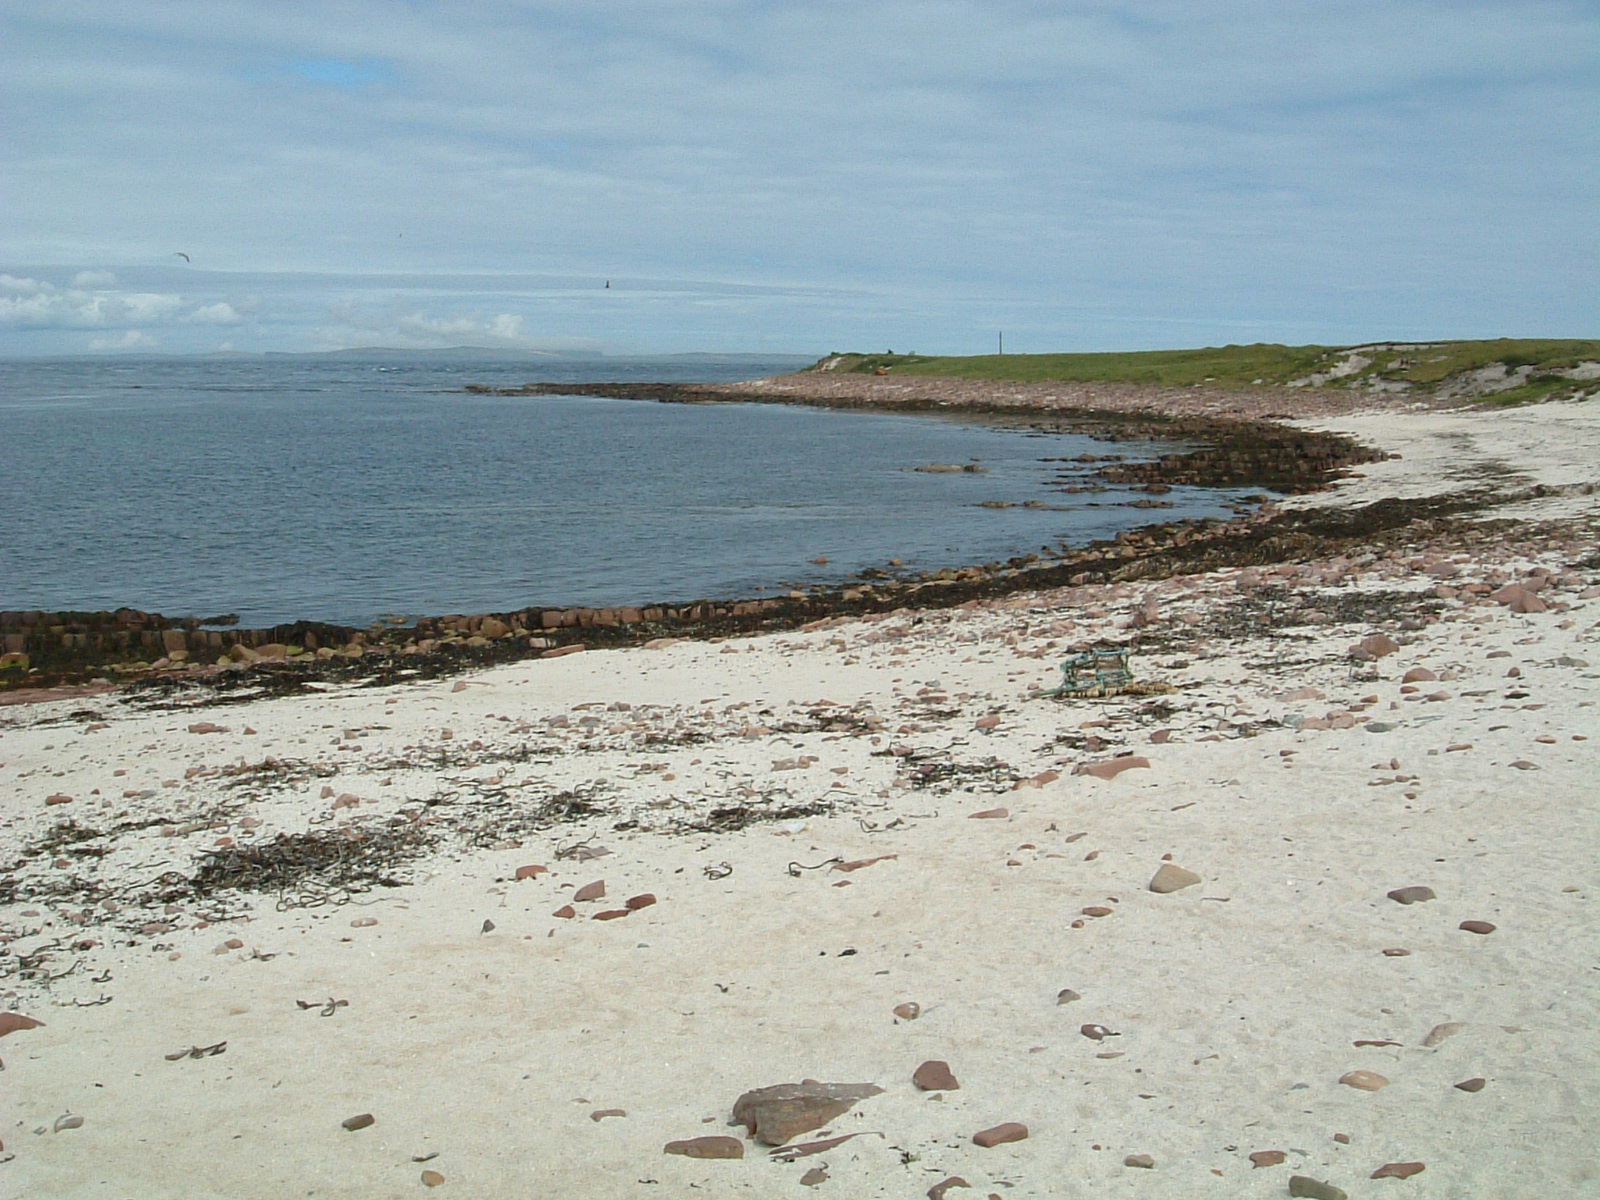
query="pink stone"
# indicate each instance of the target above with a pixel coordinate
(531, 871)
(1476, 926)
(1398, 1170)
(565, 912)
(1010, 1131)
(938, 1190)
(1366, 1081)
(562, 652)
(58, 798)
(989, 814)
(642, 900)
(934, 1076)
(1111, 768)
(612, 914)
(1379, 644)
(590, 891)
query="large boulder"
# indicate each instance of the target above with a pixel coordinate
(785, 1110)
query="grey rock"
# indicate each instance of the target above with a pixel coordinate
(1315, 1189)
(1170, 877)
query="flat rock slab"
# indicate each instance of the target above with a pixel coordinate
(786, 1110)
(713, 1146)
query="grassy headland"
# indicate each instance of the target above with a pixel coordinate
(1504, 370)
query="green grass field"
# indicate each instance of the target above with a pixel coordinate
(1532, 367)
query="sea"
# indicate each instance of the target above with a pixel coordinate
(351, 489)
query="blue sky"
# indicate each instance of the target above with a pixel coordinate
(760, 175)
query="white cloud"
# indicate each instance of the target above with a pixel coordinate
(35, 304)
(132, 339)
(94, 279)
(220, 313)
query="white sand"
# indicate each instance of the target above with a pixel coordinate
(1235, 1002)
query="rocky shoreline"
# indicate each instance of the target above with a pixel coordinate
(1232, 444)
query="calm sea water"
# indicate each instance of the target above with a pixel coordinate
(343, 489)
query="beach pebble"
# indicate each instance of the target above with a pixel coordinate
(1411, 895)
(1315, 1189)
(1098, 910)
(909, 1011)
(1366, 1081)
(1067, 996)
(711, 1146)
(58, 798)
(1476, 926)
(532, 871)
(1268, 1158)
(1398, 1170)
(565, 912)
(1170, 877)
(1444, 1030)
(207, 727)
(1396, 952)
(938, 1190)
(1010, 1131)
(612, 914)
(642, 900)
(590, 891)
(813, 1177)
(1143, 1161)
(989, 722)
(989, 814)
(1418, 675)
(600, 1114)
(935, 1076)
(68, 1121)
(1097, 1033)
(363, 922)
(432, 1179)
(1475, 1084)
(359, 1121)
(1523, 764)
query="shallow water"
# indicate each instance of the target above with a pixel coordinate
(340, 489)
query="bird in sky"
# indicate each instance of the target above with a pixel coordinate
(180, 254)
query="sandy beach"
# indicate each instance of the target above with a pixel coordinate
(843, 852)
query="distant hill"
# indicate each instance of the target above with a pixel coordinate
(1504, 370)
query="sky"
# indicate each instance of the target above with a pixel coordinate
(794, 176)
